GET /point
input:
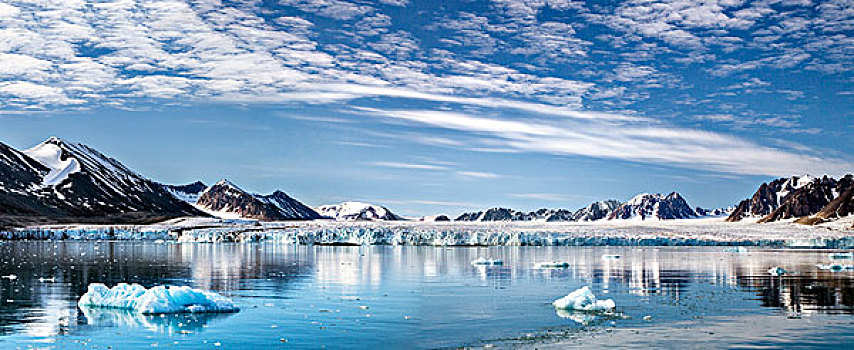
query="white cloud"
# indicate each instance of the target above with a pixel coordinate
(478, 174)
(414, 166)
(655, 144)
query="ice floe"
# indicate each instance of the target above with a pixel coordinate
(583, 299)
(155, 300)
(777, 271)
(835, 267)
(611, 257)
(736, 250)
(552, 265)
(487, 261)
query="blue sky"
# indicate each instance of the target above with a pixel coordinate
(440, 107)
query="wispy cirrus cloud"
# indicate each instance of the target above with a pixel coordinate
(654, 144)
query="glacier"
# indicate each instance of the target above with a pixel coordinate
(155, 300)
(688, 232)
(582, 299)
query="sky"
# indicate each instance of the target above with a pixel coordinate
(432, 107)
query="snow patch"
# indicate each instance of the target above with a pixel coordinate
(156, 300)
(50, 155)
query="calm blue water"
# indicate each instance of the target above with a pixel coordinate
(425, 297)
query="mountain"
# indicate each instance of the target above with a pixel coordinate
(796, 197)
(654, 206)
(225, 198)
(62, 181)
(189, 193)
(289, 206)
(713, 212)
(595, 211)
(357, 211)
(841, 206)
(495, 214)
(435, 218)
(767, 198)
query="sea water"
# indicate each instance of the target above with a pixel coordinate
(425, 297)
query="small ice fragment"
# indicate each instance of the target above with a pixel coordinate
(777, 271)
(647, 318)
(736, 250)
(350, 297)
(552, 265)
(156, 300)
(10, 277)
(47, 280)
(583, 299)
(364, 307)
(835, 267)
(610, 257)
(841, 256)
(485, 261)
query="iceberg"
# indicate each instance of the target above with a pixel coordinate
(156, 300)
(583, 299)
(552, 265)
(484, 261)
(777, 271)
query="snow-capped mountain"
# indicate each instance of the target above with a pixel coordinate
(714, 212)
(189, 193)
(654, 207)
(226, 199)
(793, 197)
(595, 211)
(495, 214)
(353, 211)
(58, 180)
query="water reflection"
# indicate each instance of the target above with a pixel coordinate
(436, 286)
(177, 323)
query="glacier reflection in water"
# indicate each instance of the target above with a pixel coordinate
(387, 297)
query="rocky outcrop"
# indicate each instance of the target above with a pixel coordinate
(841, 206)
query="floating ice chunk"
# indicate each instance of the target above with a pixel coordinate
(582, 299)
(835, 267)
(777, 271)
(736, 250)
(10, 277)
(840, 256)
(156, 300)
(611, 257)
(552, 265)
(485, 261)
(47, 280)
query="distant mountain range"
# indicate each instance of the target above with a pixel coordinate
(58, 181)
